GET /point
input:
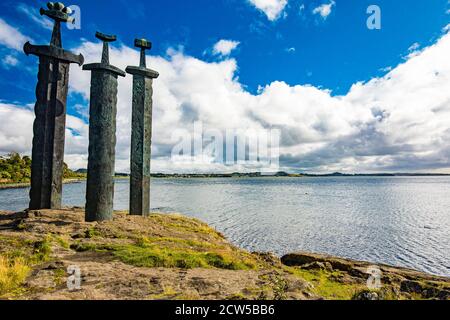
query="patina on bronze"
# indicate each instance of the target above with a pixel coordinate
(50, 109)
(102, 135)
(141, 133)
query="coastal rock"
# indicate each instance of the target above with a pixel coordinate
(366, 295)
(168, 256)
(268, 257)
(411, 286)
(318, 266)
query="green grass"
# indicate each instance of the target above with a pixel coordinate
(59, 276)
(171, 253)
(91, 233)
(325, 286)
(17, 262)
(61, 242)
(179, 223)
(41, 251)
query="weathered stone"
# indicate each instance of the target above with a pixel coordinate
(50, 109)
(366, 295)
(318, 266)
(141, 133)
(411, 286)
(102, 135)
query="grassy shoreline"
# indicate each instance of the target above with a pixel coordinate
(23, 185)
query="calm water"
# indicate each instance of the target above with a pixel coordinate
(395, 220)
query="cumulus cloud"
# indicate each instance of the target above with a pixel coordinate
(399, 122)
(325, 9)
(11, 37)
(16, 128)
(225, 47)
(271, 8)
(16, 133)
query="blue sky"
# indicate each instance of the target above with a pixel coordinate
(290, 43)
(332, 53)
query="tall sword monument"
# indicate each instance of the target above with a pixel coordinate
(141, 132)
(50, 109)
(102, 135)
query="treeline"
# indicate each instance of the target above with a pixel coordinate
(15, 168)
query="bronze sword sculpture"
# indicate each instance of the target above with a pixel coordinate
(141, 133)
(50, 109)
(102, 135)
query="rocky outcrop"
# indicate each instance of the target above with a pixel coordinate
(174, 257)
(402, 282)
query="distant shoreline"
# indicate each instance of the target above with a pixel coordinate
(293, 175)
(240, 175)
(22, 185)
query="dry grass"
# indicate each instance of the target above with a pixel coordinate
(13, 273)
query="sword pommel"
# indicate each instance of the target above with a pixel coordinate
(142, 43)
(57, 11)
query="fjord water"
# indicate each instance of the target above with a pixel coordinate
(402, 221)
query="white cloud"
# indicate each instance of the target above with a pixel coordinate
(9, 61)
(16, 133)
(16, 130)
(413, 51)
(325, 9)
(386, 69)
(414, 46)
(31, 13)
(446, 28)
(11, 37)
(271, 8)
(399, 122)
(225, 47)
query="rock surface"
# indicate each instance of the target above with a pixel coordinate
(173, 257)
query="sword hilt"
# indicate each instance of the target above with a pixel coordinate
(143, 44)
(57, 11)
(106, 40)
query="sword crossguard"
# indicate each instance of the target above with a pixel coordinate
(105, 37)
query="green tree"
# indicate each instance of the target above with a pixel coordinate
(5, 175)
(16, 168)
